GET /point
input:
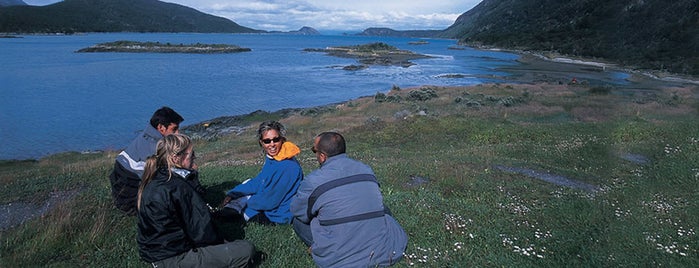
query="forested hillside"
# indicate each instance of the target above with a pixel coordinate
(650, 34)
(112, 16)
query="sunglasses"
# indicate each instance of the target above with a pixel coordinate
(268, 141)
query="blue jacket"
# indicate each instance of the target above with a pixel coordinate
(369, 242)
(272, 189)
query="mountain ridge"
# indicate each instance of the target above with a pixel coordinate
(71, 16)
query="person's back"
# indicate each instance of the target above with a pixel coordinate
(128, 166)
(371, 242)
(341, 206)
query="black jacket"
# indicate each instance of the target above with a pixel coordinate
(173, 217)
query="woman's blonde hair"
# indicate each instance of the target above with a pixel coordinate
(167, 150)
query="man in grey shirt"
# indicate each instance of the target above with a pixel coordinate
(339, 211)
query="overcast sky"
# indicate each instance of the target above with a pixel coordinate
(330, 15)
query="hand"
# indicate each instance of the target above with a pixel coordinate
(226, 200)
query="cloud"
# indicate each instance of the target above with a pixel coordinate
(355, 15)
(341, 15)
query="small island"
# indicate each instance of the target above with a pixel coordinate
(372, 54)
(157, 47)
(419, 42)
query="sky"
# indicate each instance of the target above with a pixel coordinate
(329, 15)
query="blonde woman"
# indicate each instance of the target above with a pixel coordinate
(175, 228)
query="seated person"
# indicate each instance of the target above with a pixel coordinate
(128, 167)
(175, 228)
(339, 212)
(266, 198)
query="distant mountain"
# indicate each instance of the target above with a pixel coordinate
(305, 30)
(7, 3)
(649, 34)
(71, 16)
(391, 32)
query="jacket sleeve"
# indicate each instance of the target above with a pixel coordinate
(248, 187)
(299, 204)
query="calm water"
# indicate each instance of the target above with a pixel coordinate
(55, 100)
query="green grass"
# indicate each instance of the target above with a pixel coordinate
(465, 213)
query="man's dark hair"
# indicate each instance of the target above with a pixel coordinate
(331, 143)
(165, 116)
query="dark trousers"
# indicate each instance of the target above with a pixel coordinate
(124, 188)
(238, 253)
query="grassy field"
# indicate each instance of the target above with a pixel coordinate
(462, 169)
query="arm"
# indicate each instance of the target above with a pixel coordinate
(195, 218)
(247, 187)
(281, 182)
(299, 204)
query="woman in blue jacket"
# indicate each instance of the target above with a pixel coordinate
(266, 198)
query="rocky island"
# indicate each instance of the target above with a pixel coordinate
(157, 47)
(372, 54)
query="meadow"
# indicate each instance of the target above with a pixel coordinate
(463, 169)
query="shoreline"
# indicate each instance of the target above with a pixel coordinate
(530, 57)
(533, 69)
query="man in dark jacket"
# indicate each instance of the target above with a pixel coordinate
(128, 167)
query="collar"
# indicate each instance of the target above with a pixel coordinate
(334, 158)
(151, 132)
(287, 151)
(182, 172)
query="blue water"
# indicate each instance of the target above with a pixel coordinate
(56, 100)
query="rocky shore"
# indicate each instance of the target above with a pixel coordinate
(533, 70)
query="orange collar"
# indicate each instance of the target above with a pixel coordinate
(288, 150)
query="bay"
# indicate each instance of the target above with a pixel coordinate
(56, 100)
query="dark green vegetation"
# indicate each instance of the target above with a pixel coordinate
(651, 34)
(436, 152)
(157, 47)
(70, 16)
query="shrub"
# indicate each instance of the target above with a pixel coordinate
(600, 90)
(379, 97)
(422, 94)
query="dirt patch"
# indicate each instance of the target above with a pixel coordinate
(635, 158)
(552, 178)
(17, 213)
